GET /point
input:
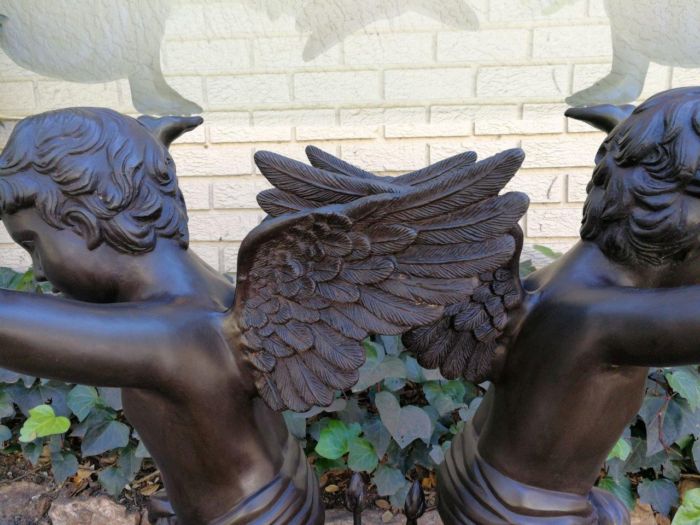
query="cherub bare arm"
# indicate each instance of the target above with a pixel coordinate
(122, 345)
(648, 327)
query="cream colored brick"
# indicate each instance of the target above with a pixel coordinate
(337, 132)
(6, 127)
(463, 115)
(5, 237)
(483, 45)
(577, 181)
(395, 156)
(382, 116)
(519, 127)
(427, 130)
(295, 117)
(553, 222)
(561, 152)
(294, 151)
(596, 8)
(232, 133)
(429, 84)
(215, 160)
(286, 53)
(240, 192)
(203, 57)
(483, 148)
(544, 111)
(389, 48)
(572, 42)
(244, 91)
(540, 186)
(56, 94)
(223, 225)
(221, 123)
(658, 79)
(523, 81)
(684, 77)
(12, 256)
(527, 10)
(230, 19)
(230, 258)
(11, 71)
(208, 253)
(336, 87)
(16, 98)
(196, 193)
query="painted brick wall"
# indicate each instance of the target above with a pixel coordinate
(395, 97)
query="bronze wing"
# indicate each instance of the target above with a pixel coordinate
(464, 340)
(381, 258)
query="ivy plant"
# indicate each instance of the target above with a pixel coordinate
(395, 425)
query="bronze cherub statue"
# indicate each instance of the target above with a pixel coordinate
(565, 345)
(93, 197)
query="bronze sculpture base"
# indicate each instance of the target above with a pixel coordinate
(473, 492)
(293, 496)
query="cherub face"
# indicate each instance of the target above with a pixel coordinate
(63, 258)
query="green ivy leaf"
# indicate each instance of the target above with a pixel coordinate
(388, 480)
(686, 381)
(42, 422)
(116, 477)
(104, 437)
(526, 268)
(445, 396)
(689, 511)
(621, 450)
(5, 433)
(376, 433)
(406, 424)
(296, 424)
(142, 451)
(661, 494)
(547, 252)
(81, 400)
(334, 439)
(373, 372)
(322, 465)
(7, 409)
(362, 457)
(622, 489)
(63, 465)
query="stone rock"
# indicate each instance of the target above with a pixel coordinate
(93, 511)
(22, 503)
(373, 517)
(642, 515)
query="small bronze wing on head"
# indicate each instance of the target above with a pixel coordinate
(604, 117)
(168, 129)
(347, 254)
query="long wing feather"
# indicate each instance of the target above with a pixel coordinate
(314, 184)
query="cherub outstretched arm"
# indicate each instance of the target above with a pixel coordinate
(647, 327)
(122, 345)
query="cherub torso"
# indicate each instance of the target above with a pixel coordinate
(557, 408)
(213, 444)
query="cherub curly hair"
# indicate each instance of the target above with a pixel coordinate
(635, 209)
(107, 177)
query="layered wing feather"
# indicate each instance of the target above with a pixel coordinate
(428, 258)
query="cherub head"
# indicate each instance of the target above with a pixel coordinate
(81, 186)
(642, 207)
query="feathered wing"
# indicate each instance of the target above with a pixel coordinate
(312, 284)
